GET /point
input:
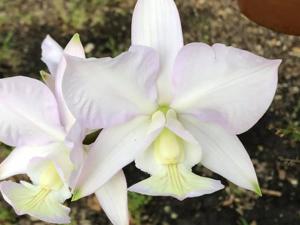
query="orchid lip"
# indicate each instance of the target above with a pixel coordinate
(40, 196)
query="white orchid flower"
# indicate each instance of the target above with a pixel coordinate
(113, 194)
(43, 199)
(169, 109)
(31, 122)
(38, 123)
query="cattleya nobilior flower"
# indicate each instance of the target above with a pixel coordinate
(48, 141)
(168, 107)
(30, 122)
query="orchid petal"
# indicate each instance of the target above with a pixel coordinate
(18, 160)
(222, 84)
(223, 153)
(104, 92)
(113, 199)
(156, 24)
(191, 185)
(147, 160)
(73, 48)
(175, 125)
(115, 148)
(28, 113)
(51, 54)
(57, 160)
(22, 198)
(192, 149)
(78, 155)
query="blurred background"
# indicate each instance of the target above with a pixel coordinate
(104, 26)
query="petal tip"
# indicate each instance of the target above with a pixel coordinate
(44, 75)
(257, 189)
(76, 38)
(76, 195)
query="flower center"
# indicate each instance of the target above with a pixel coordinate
(50, 178)
(164, 109)
(168, 148)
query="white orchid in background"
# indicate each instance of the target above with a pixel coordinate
(48, 144)
(169, 107)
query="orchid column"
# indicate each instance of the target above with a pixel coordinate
(169, 107)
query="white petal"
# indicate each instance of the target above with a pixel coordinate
(73, 48)
(179, 184)
(115, 148)
(192, 149)
(223, 153)
(28, 112)
(51, 54)
(174, 125)
(21, 197)
(103, 92)
(78, 156)
(58, 159)
(113, 199)
(18, 160)
(156, 24)
(147, 161)
(223, 84)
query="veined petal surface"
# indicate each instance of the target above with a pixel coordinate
(178, 182)
(113, 199)
(114, 149)
(225, 85)
(28, 113)
(223, 153)
(25, 199)
(156, 23)
(104, 92)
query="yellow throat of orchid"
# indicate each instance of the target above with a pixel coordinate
(50, 178)
(49, 181)
(169, 151)
(168, 148)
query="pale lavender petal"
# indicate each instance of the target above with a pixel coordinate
(104, 92)
(28, 113)
(156, 24)
(223, 84)
(73, 48)
(52, 53)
